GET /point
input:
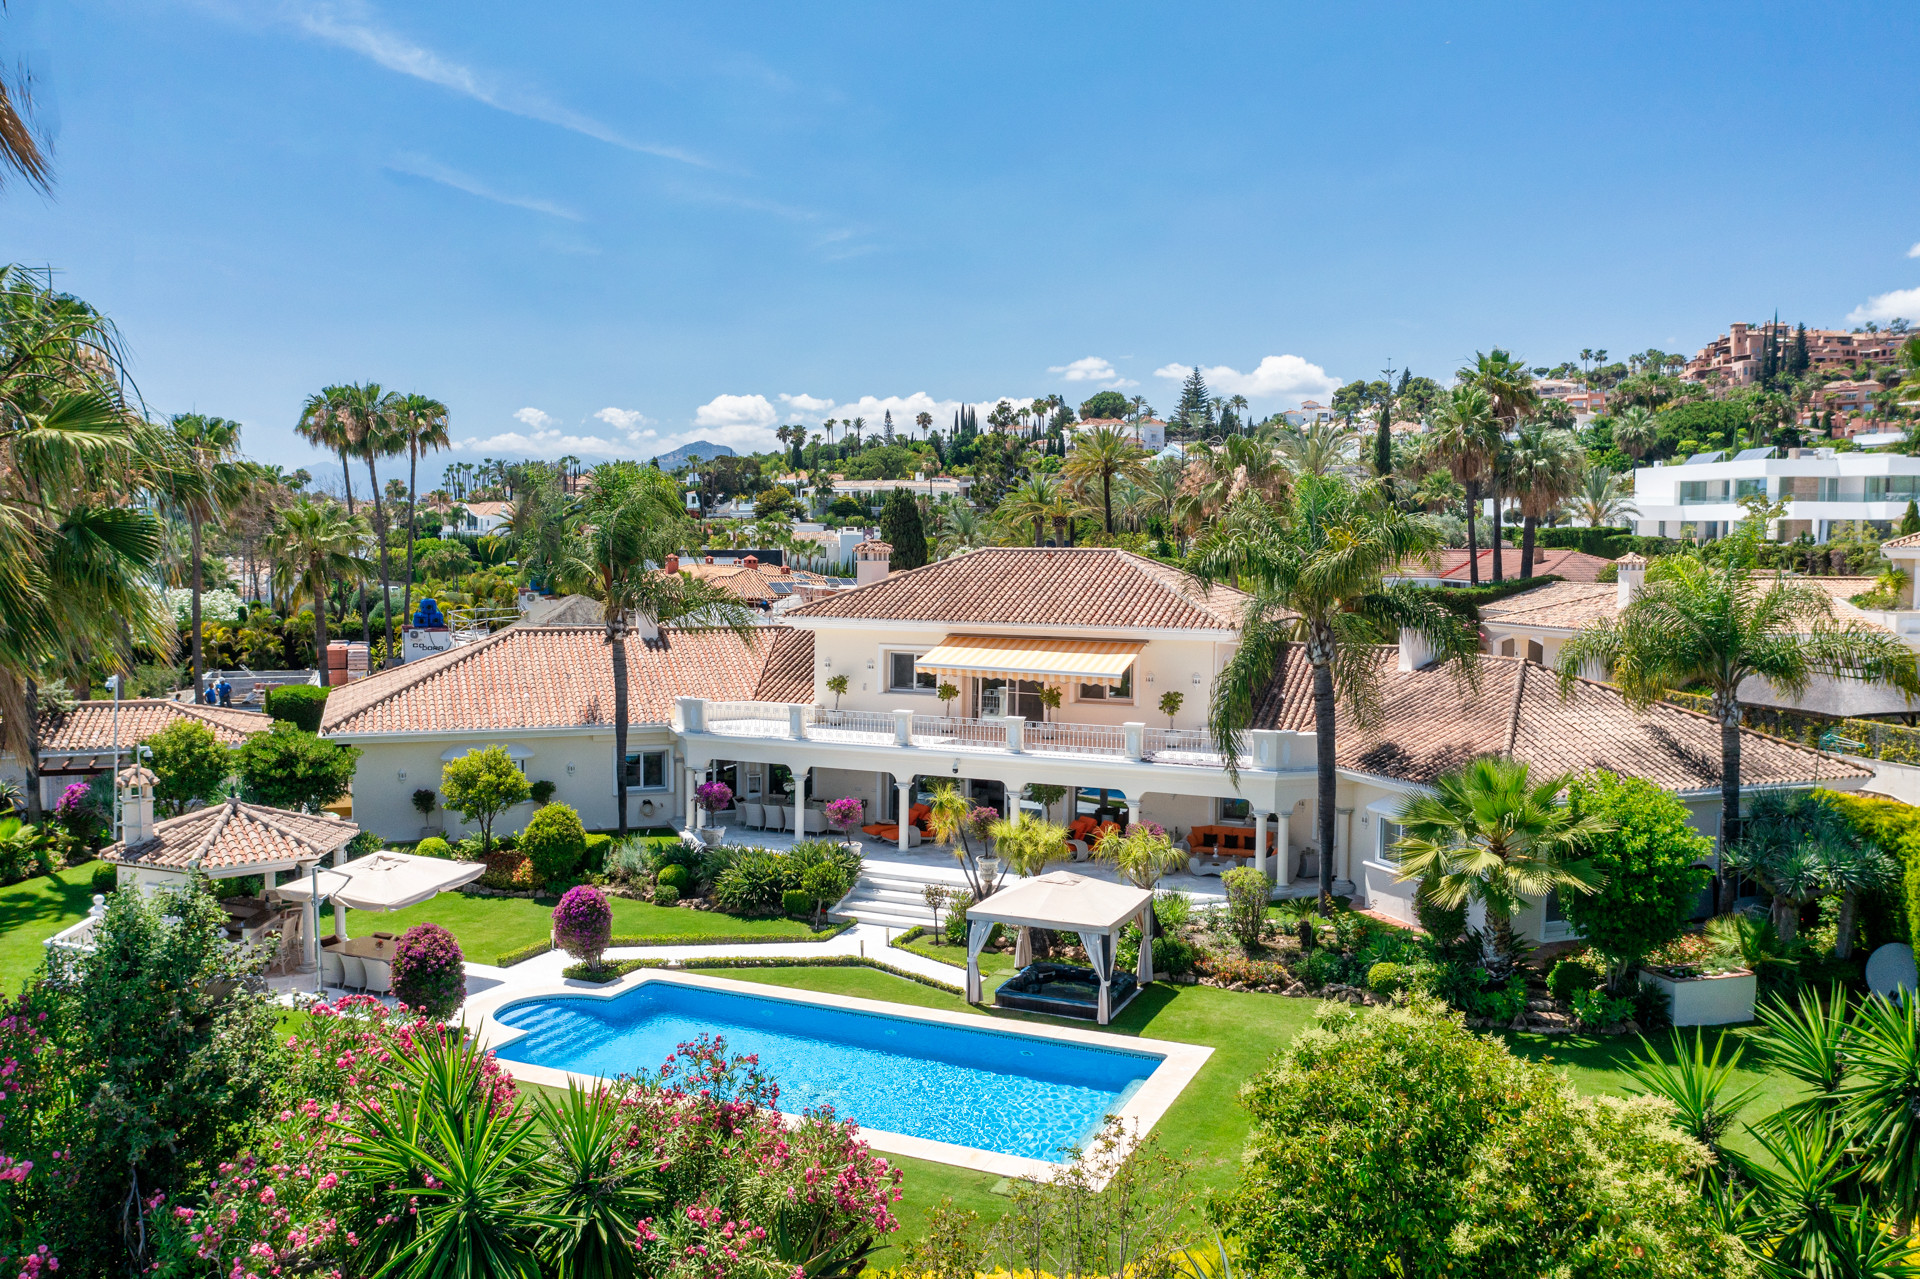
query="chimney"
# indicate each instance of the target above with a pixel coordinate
(673, 564)
(1415, 652)
(645, 628)
(709, 559)
(1632, 570)
(136, 804)
(752, 561)
(872, 561)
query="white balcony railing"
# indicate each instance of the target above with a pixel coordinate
(748, 719)
(952, 732)
(872, 727)
(1076, 739)
(1187, 746)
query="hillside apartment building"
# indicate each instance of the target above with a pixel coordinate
(1735, 354)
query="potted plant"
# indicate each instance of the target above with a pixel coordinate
(1170, 704)
(844, 814)
(1705, 978)
(946, 693)
(712, 797)
(837, 686)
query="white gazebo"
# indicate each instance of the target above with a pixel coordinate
(1065, 902)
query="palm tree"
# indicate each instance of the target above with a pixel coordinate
(314, 544)
(1547, 466)
(423, 421)
(1695, 624)
(1103, 454)
(1030, 501)
(1800, 849)
(1312, 571)
(1490, 833)
(1318, 448)
(1461, 444)
(1635, 431)
(1601, 500)
(204, 482)
(1240, 406)
(1510, 386)
(374, 429)
(631, 519)
(924, 421)
(324, 424)
(22, 145)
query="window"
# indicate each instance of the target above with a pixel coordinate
(1749, 488)
(1235, 810)
(646, 770)
(1694, 492)
(903, 678)
(1121, 692)
(1390, 833)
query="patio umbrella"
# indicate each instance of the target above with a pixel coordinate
(381, 881)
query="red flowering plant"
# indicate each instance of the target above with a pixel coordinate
(30, 1077)
(743, 1194)
(429, 972)
(583, 924)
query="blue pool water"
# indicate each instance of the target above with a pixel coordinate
(992, 1090)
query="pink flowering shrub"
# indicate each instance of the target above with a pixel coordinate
(844, 814)
(750, 1196)
(429, 972)
(583, 923)
(30, 1073)
(713, 796)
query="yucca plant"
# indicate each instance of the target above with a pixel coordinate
(589, 1183)
(1698, 1084)
(1880, 1101)
(1808, 1040)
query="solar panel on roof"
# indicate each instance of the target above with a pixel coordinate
(1748, 455)
(1699, 458)
(780, 588)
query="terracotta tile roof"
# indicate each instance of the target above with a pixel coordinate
(89, 725)
(749, 584)
(1055, 587)
(1900, 543)
(503, 510)
(788, 674)
(1452, 566)
(1561, 605)
(562, 677)
(234, 836)
(1431, 721)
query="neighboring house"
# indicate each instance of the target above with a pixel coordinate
(1310, 413)
(484, 518)
(1149, 433)
(1110, 632)
(1736, 353)
(1451, 567)
(1701, 497)
(929, 486)
(1534, 624)
(78, 745)
(752, 582)
(1582, 400)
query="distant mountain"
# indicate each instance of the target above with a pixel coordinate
(702, 449)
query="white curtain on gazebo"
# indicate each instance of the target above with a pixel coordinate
(978, 931)
(1065, 902)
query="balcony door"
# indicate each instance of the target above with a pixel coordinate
(997, 697)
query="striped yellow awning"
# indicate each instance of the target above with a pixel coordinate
(1049, 661)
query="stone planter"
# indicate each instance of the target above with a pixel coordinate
(1719, 1000)
(712, 835)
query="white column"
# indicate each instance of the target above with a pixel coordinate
(1127, 813)
(906, 804)
(1260, 841)
(799, 772)
(693, 803)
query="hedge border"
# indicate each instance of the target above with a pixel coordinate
(512, 957)
(725, 939)
(620, 968)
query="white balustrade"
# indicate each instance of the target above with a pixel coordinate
(864, 727)
(1077, 739)
(952, 732)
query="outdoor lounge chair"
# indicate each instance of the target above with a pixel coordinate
(1062, 989)
(378, 976)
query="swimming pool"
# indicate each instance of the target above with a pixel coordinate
(918, 1075)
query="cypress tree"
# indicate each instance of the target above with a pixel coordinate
(902, 528)
(1910, 522)
(1195, 410)
(1798, 362)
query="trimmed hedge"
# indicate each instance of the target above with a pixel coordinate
(1467, 600)
(300, 705)
(1608, 543)
(1887, 915)
(525, 953)
(756, 939)
(580, 972)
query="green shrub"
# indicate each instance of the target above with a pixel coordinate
(754, 881)
(797, 902)
(953, 929)
(1386, 978)
(1323, 967)
(665, 894)
(555, 840)
(434, 846)
(826, 882)
(594, 859)
(300, 705)
(672, 877)
(1597, 1010)
(1570, 977)
(1647, 860)
(1886, 915)
(1247, 891)
(542, 792)
(105, 877)
(1173, 909)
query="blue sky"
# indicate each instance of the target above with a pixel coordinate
(611, 228)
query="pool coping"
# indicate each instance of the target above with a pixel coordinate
(1179, 1063)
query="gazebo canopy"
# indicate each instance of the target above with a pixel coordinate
(386, 881)
(1065, 902)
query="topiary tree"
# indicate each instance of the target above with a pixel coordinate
(583, 924)
(1646, 859)
(481, 785)
(429, 972)
(555, 840)
(190, 764)
(434, 846)
(300, 705)
(288, 768)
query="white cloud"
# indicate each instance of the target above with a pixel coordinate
(1899, 304)
(1914, 252)
(1281, 377)
(1092, 369)
(536, 419)
(804, 403)
(628, 420)
(432, 170)
(736, 410)
(350, 25)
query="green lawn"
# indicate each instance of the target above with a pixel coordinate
(487, 927)
(1245, 1031)
(32, 911)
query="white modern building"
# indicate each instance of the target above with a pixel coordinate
(1824, 490)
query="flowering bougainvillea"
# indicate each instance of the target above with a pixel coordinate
(713, 796)
(844, 814)
(583, 923)
(429, 972)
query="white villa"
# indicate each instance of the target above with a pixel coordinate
(1112, 632)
